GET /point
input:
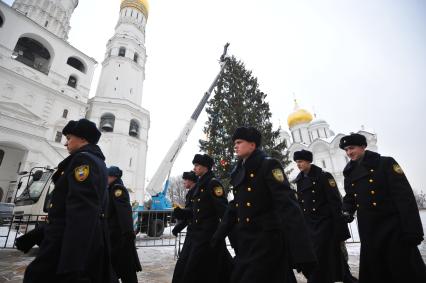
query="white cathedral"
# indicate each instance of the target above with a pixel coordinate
(45, 82)
(311, 133)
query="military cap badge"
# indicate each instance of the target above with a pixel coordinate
(278, 175)
(332, 182)
(218, 191)
(398, 169)
(81, 173)
(118, 193)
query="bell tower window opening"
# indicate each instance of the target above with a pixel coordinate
(72, 81)
(1, 156)
(65, 113)
(107, 122)
(46, 23)
(58, 136)
(134, 128)
(33, 54)
(122, 52)
(1, 20)
(136, 57)
(77, 64)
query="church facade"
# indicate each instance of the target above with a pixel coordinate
(308, 132)
(45, 82)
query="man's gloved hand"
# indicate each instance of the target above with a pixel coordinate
(411, 240)
(348, 217)
(180, 213)
(176, 231)
(24, 244)
(129, 236)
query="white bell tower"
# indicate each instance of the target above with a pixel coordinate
(116, 107)
(54, 15)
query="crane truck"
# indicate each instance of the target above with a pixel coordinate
(32, 197)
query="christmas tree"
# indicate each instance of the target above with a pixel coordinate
(238, 102)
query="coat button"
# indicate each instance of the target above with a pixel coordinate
(313, 209)
(353, 184)
(313, 183)
(371, 180)
(313, 191)
(371, 170)
(51, 205)
(304, 209)
(249, 189)
(251, 175)
(198, 200)
(302, 200)
(374, 204)
(313, 200)
(355, 195)
(248, 204)
(238, 219)
(373, 192)
(247, 219)
(357, 205)
(236, 205)
(198, 210)
(196, 220)
(202, 190)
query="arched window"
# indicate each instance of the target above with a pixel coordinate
(72, 81)
(136, 57)
(134, 128)
(65, 113)
(1, 156)
(77, 64)
(107, 122)
(122, 52)
(33, 54)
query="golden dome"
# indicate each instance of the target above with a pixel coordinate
(141, 5)
(299, 116)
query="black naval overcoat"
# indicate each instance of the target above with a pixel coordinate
(75, 244)
(271, 233)
(181, 224)
(198, 260)
(124, 257)
(321, 203)
(388, 220)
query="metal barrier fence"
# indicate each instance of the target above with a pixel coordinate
(16, 226)
(154, 229)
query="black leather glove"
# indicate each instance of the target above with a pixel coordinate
(175, 231)
(181, 214)
(34, 237)
(348, 217)
(411, 240)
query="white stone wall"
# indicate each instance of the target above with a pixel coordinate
(120, 92)
(32, 103)
(53, 15)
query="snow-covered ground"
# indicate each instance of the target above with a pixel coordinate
(158, 262)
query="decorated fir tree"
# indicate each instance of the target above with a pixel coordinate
(238, 102)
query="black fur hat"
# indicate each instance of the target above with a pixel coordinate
(83, 128)
(189, 176)
(203, 159)
(114, 171)
(249, 134)
(303, 155)
(352, 139)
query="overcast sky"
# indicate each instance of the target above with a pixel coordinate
(353, 62)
